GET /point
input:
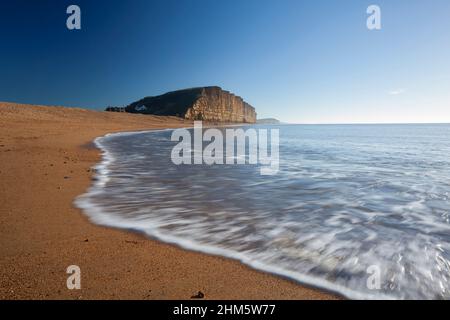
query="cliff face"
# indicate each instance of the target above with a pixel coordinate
(205, 103)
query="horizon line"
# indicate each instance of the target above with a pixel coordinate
(359, 123)
(281, 122)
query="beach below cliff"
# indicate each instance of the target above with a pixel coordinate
(46, 156)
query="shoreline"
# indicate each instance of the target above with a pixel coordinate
(46, 165)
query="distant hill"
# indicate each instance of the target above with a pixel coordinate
(268, 121)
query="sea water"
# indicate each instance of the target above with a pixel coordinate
(362, 210)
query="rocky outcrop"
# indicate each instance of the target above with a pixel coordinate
(268, 121)
(204, 103)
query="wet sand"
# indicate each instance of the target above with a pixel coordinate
(46, 155)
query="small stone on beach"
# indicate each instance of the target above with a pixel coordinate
(199, 295)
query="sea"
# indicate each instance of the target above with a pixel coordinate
(359, 210)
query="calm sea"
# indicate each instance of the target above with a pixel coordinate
(362, 210)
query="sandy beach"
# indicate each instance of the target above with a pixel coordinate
(46, 155)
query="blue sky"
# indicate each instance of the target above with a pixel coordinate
(298, 61)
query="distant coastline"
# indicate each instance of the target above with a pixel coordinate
(268, 121)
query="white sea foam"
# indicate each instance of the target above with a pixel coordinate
(321, 223)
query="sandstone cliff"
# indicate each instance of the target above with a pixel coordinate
(204, 103)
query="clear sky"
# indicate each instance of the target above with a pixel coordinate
(309, 61)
